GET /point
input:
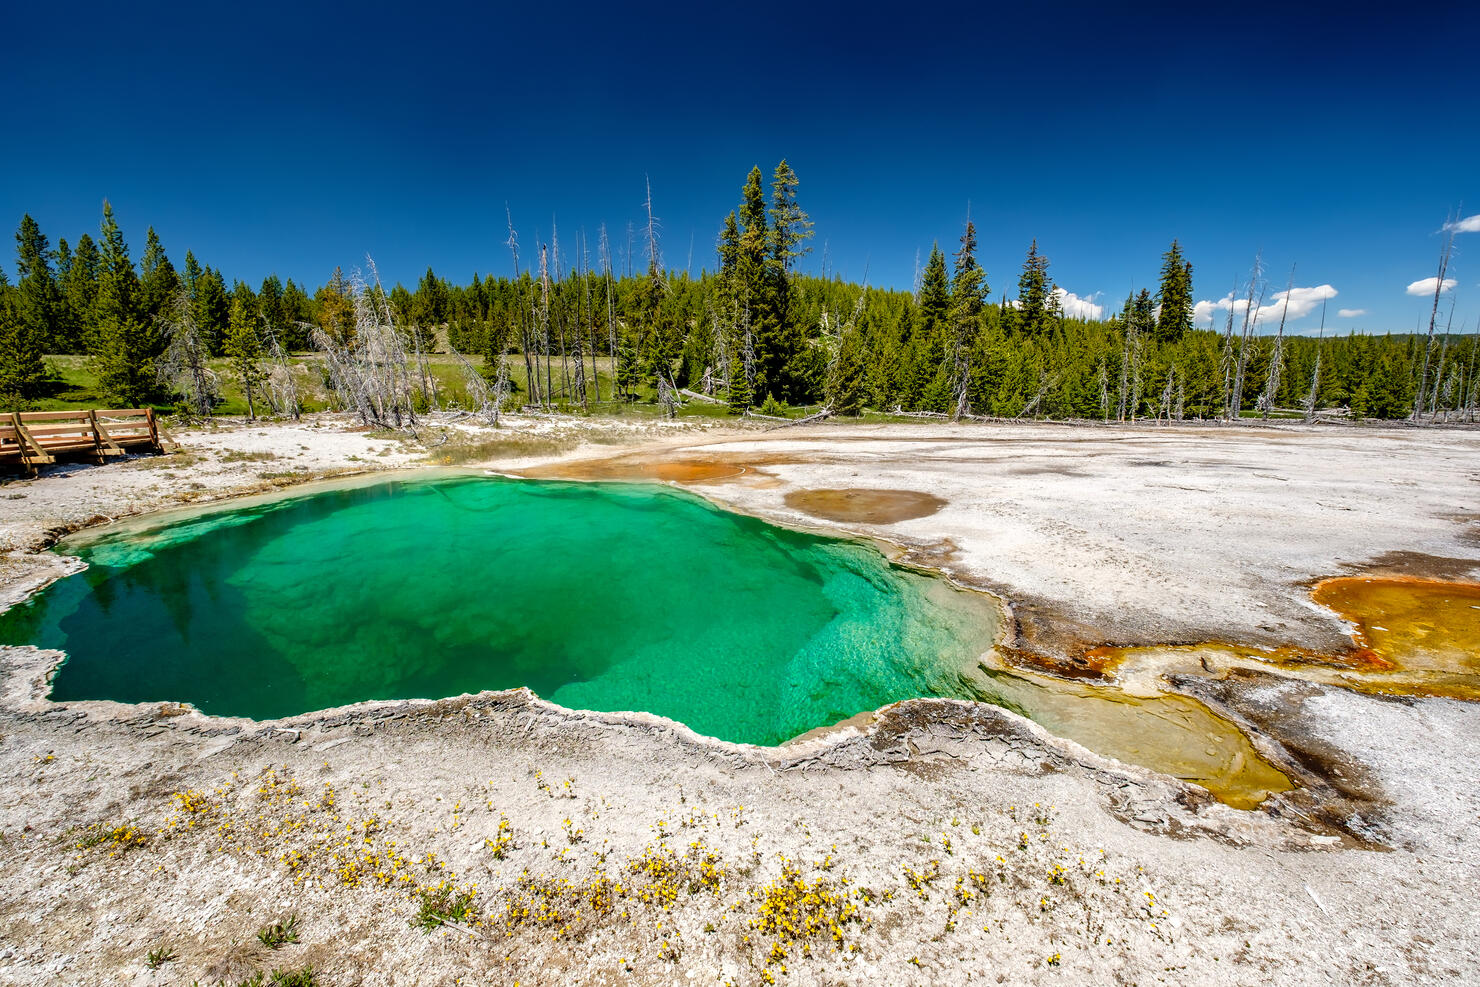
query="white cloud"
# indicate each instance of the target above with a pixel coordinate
(1350, 313)
(1303, 301)
(1075, 307)
(1426, 286)
(1470, 224)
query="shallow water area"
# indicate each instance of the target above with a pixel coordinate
(863, 505)
(1170, 733)
(1410, 637)
(596, 596)
(1417, 635)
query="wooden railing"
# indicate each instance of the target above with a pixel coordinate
(33, 438)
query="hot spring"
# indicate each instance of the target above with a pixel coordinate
(596, 596)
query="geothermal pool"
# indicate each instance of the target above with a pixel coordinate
(596, 596)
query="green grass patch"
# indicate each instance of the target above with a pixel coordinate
(442, 904)
(279, 934)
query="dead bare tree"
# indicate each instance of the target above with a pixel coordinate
(544, 316)
(184, 367)
(1471, 387)
(1134, 345)
(1443, 356)
(1423, 379)
(1046, 383)
(526, 332)
(1225, 355)
(1251, 325)
(488, 400)
(1277, 359)
(372, 373)
(281, 384)
(604, 247)
(582, 321)
(1123, 395)
(1164, 407)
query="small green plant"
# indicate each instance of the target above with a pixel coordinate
(159, 957)
(279, 934)
(503, 841)
(442, 904)
(304, 977)
(772, 407)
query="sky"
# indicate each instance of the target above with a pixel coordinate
(294, 138)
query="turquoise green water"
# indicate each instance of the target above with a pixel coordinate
(605, 597)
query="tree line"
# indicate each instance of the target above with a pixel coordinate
(753, 333)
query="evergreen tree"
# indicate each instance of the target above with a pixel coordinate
(211, 307)
(244, 347)
(629, 368)
(123, 345)
(802, 370)
(35, 309)
(80, 292)
(755, 274)
(273, 313)
(1174, 296)
(1036, 303)
(968, 304)
(158, 281)
(192, 275)
(846, 376)
(928, 344)
(336, 309)
(16, 352)
(429, 305)
(790, 226)
(297, 314)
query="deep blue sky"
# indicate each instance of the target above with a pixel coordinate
(280, 138)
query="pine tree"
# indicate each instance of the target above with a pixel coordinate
(274, 314)
(927, 345)
(755, 274)
(1036, 306)
(629, 369)
(968, 303)
(15, 351)
(158, 281)
(1174, 296)
(35, 310)
(429, 304)
(212, 308)
(192, 275)
(801, 371)
(846, 376)
(123, 345)
(80, 292)
(297, 313)
(336, 311)
(244, 347)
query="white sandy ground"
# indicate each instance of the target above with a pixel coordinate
(1082, 524)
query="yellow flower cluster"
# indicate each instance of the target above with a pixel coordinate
(919, 879)
(793, 909)
(116, 839)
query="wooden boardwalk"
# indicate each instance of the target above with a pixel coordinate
(31, 439)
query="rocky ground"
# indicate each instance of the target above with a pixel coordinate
(498, 839)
